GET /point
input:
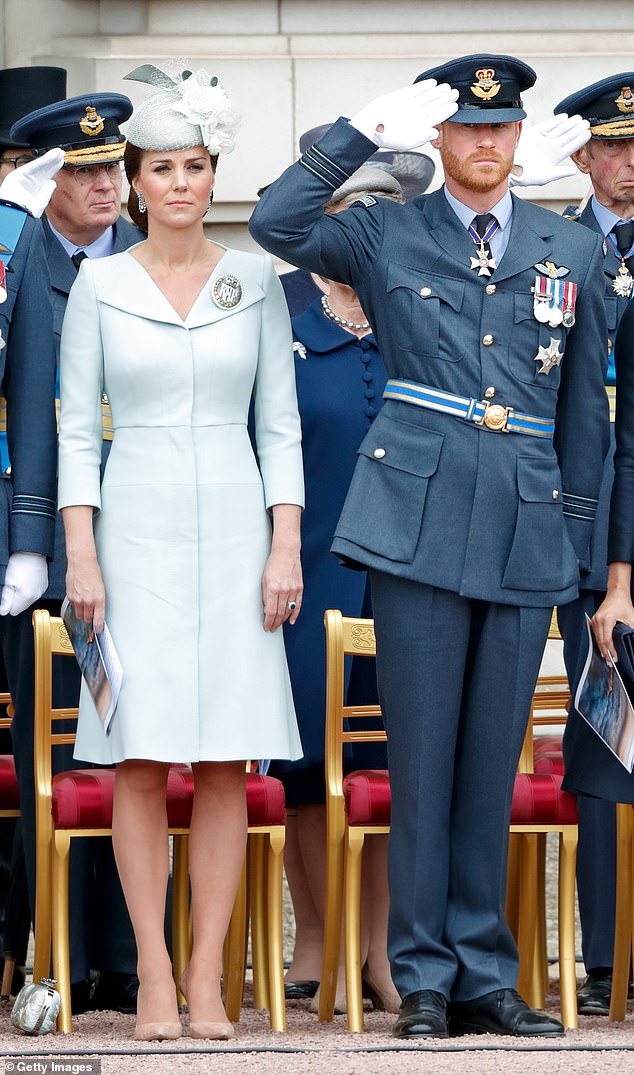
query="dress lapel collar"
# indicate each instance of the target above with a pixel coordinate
(61, 269)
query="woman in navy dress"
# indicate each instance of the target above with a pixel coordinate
(340, 379)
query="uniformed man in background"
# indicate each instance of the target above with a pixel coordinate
(472, 501)
(591, 771)
(82, 220)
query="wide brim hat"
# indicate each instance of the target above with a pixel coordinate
(608, 105)
(23, 90)
(489, 87)
(85, 127)
(412, 171)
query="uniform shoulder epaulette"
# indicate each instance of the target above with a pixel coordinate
(366, 200)
(571, 212)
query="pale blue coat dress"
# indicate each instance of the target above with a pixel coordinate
(181, 522)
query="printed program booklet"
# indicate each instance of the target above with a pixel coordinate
(98, 661)
(604, 703)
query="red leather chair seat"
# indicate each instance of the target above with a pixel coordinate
(367, 797)
(539, 800)
(547, 744)
(547, 755)
(9, 792)
(82, 799)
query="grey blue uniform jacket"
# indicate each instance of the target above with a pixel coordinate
(497, 516)
(595, 577)
(621, 543)
(27, 371)
(63, 274)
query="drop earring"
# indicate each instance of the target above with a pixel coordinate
(211, 198)
(142, 205)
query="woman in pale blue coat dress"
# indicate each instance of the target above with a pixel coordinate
(176, 547)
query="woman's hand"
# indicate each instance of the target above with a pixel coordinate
(616, 606)
(85, 589)
(282, 582)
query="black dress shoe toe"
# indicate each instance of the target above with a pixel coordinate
(593, 996)
(422, 1015)
(303, 990)
(117, 993)
(501, 1012)
(82, 997)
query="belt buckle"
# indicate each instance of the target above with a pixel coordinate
(495, 416)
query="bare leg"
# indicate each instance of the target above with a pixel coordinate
(217, 844)
(140, 842)
(306, 963)
(376, 899)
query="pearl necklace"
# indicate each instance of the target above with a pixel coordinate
(342, 320)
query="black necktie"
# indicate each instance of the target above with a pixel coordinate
(481, 223)
(78, 258)
(624, 234)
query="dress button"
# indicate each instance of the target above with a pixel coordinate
(379, 453)
(489, 393)
(370, 412)
(367, 376)
(487, 340)
(490, 289)
(425, 292)
(370, 393)
(365, 357)
(365, 345)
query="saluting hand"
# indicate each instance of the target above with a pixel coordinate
(32, 186)
(407, 118)
(542, 149)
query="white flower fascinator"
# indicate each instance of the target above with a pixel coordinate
(188, 109)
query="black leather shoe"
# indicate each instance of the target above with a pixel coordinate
(304, 990)
(82, 997)
(423, 1015)
(501, 1012)
(593, 996)
(116, 993)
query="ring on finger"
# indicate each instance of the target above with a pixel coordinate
(291, 605)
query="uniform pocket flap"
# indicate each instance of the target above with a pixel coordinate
(428, 285)
(538, 481)
(403, 446)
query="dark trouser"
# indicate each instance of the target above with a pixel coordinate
(100, 930)
(596, 854)
(455, 680)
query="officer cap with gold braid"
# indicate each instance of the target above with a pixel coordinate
(608, 105)
(85, 127)
(489, 87)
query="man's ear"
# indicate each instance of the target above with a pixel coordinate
(582, 159)
(520, 126)
(437, 142)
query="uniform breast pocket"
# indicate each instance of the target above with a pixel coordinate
(528, 337)
(541, 556)
(384, 508)
(424, 309)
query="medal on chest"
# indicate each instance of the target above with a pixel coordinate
(623, 282)
(227, 292)
(2, 343)
(554, 301)
(549, 356)
(3, 283)
(483, 261)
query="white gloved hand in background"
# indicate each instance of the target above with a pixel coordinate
(32, 186)
(407, 118)
(25, 581)
(542, 150)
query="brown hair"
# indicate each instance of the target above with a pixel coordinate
(132, 159)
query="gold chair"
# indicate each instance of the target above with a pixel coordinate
(67, 808)
(624, 929)
(347, 827)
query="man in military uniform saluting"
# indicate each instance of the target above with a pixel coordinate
(82, 220)
(472, 500)
(591, 771)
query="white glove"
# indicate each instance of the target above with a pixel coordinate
(407, 118)
(32, 186)
(543, 148)
(25, 581)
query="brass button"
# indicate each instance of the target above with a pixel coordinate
(487, 340)
(379, 453)
(490, 289)
(489, 393)
(425, 292)
(555, 493)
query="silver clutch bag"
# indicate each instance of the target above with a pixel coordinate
(36, 1007)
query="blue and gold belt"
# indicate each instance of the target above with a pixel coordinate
(106, 417)
(481, 412)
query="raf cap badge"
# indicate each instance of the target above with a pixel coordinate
(227, 292)
(486, 88)
(625, 100)
(549, 356)
(92, 123)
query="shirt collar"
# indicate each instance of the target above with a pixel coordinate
(319, 333)
(102, 247)
(503, 211)
(606, 219)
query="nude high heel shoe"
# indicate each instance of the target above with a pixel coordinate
(222, 1031)
(166, 1031)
